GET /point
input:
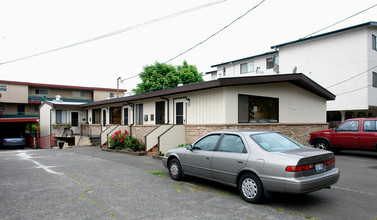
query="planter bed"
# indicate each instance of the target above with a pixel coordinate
(140, 153)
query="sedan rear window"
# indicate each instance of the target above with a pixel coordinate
(274, 142)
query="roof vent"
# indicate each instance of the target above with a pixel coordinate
(58, 98)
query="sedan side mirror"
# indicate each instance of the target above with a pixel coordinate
(189, 147)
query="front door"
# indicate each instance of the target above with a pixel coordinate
(125, 116)
(75, 122)
(160, 112)
(21, 110)
(104, 113)
(180, 111)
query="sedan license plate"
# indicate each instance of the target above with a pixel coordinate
(319, 167)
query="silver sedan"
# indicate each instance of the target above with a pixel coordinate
(257, 162)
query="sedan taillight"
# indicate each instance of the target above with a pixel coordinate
(299, 168)
(307, 167)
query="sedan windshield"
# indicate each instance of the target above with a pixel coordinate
(275, 142)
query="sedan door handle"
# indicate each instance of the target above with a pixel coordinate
(240, 162)
(208, 158)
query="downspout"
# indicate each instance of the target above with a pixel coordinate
(49, 138)
(133, 117)
(168, 108)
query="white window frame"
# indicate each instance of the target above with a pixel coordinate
(249, 67)
(62, 113)
(3, 88)
(78, 93)
(39, 91)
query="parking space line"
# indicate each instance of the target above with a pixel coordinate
(25, 156)
(355, 191)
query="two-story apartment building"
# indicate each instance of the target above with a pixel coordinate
(22, 99)
(20, 102)
(343, 61)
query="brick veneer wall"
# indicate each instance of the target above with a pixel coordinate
(91, 129)
(298, 132)
(140, 131)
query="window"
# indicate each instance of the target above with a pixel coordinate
(374, 42)
(3, 88)
(375, 79)
(36, 108)
(139, 114)
(61, 117)
(370, 125)
(20, 110)
(232, 143)
(41, 91)
(208, 143)
(112, 95)
(247, 67)
(257, 109)
(270, 63)
(78, 93)
(3, 108)
(348, 126)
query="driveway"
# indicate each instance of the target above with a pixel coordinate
(87, 183)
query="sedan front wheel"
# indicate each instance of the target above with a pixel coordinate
(321, 145)
(175, 169)
(251, 188)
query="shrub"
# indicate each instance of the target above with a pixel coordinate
(123, 140)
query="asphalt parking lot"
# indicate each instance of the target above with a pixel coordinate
(87, 183)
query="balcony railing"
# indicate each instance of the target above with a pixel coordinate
(44, 98)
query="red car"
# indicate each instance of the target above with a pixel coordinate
(357, 133)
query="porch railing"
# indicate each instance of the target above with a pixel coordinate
(171, 138)
(151, 139)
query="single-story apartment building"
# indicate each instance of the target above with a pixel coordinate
(293, 104)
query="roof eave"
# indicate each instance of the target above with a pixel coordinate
(371, 23)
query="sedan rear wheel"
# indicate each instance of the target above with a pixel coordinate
(250, 188)
(321, 145)
(175, 169)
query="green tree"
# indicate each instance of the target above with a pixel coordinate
(162, 76)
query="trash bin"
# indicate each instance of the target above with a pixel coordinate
(61, 144)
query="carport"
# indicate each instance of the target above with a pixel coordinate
(19, 125)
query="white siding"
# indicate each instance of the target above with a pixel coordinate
(206, 107)
(45, 120)
(220, 106)
(234, 69)
(296, 105)
(329, 60)
(372, 58)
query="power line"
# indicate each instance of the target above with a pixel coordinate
(119, 31)
(350, 78)
(215, 33)
(309, 35)
(354, 90)
(207, 37)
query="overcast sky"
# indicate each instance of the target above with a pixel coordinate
(33, 27)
